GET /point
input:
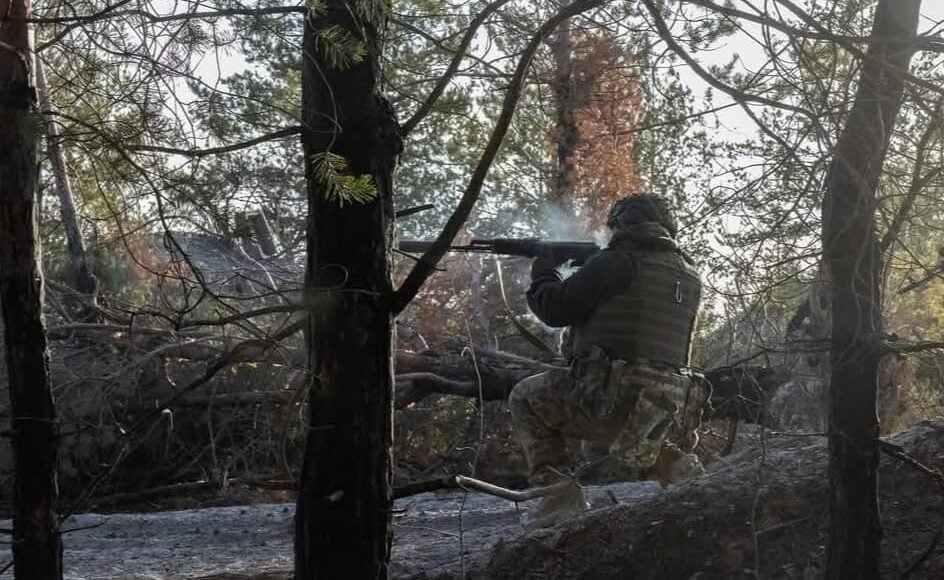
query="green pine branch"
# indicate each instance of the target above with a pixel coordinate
(332, 174)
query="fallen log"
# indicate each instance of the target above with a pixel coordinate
(737, 393)
(483, 374)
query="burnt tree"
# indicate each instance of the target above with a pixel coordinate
(37, 548)
(566, 133)
(343, 516)
(851, 253)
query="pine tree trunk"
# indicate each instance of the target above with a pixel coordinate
(565, 131)
(343, 516)
(37, 548)
(83, 279)
(851, 253)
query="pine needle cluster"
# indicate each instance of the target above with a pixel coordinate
(332, 174)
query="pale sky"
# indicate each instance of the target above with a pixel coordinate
(932, 12)
(735, 121)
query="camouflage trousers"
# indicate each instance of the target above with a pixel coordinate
(615, 407)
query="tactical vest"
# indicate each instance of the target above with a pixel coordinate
(653, 318)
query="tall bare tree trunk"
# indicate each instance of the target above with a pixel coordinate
(268, 243)
(343, 517)
(83, 279)
(37, 548)
(852, 255)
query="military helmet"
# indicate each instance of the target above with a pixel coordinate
(641, 207)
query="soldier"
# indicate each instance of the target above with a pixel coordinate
(631, 310)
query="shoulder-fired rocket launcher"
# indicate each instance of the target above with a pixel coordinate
(575, 252)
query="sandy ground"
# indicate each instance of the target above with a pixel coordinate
(433, 533)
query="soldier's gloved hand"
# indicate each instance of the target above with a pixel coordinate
(548, 258)
(544, 267)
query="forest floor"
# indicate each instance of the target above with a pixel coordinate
(434, 533)
(759, 513)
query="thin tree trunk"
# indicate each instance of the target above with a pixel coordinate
(268, 243)
(852, 255)
(79, 270)
(37, 548)
(343, 517)
(480, 325)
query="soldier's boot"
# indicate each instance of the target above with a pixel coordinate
(562, 504)
(674, 465)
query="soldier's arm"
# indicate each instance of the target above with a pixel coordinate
(564, 302)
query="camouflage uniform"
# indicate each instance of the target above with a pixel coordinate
(626, 409)
(631, 309)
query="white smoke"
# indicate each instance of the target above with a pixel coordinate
(560, 221)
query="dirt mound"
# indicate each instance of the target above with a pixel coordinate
(761, 514)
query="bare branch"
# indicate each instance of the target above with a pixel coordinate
(67, 29)
(440, 44)
(243, 351)
(860, 54)
(110, 13)
(918, 180)
(402, 213)
(898, 452)
(280, 134)
(242, 315)
(930, 43)
(738, 95)
(914, 347)
(472, 484)
(65, 331)
(446, 77)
